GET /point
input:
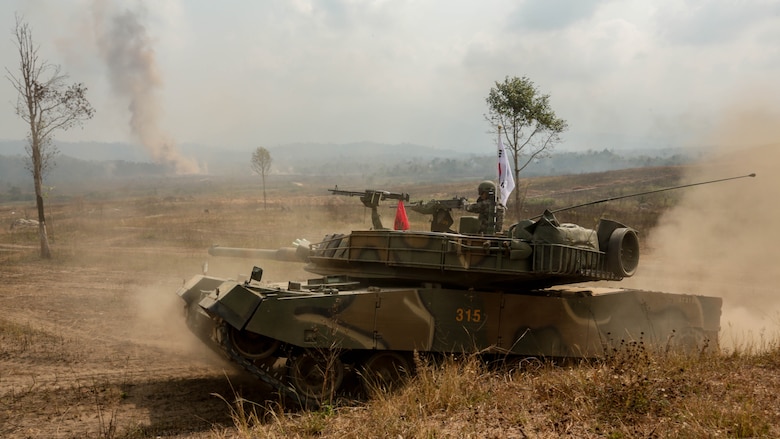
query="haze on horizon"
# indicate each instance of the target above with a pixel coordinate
(624, 74)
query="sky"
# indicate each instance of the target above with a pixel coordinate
(240, 74)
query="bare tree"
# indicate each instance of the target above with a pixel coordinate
(531, 128)
(47, 104)
(261, 163)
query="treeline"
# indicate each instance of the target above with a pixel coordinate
(16, 180)
(484, 167)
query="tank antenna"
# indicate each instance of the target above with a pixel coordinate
(648, 192)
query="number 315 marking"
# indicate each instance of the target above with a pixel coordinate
(468, 315)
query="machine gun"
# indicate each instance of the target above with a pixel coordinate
(371, 198)
(441, 211)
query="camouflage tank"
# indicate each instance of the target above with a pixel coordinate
(383, 295)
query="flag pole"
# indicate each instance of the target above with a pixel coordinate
(500, 189)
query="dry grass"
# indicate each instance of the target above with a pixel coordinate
(634, 393)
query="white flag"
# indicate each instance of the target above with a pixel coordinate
(506, 181)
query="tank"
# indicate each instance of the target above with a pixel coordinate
(380, 296)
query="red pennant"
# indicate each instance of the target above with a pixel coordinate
(401, 220)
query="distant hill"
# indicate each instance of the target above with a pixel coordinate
(97, 151)
(92, 162)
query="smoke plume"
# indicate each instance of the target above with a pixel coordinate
(723, 239)
(127, 50)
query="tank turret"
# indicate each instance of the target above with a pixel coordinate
(533, 254)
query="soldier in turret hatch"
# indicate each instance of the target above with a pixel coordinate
(491, 212)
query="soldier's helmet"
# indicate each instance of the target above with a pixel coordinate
(486, 186)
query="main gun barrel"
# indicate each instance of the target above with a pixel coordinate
(287, 254)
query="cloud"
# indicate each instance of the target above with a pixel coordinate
(547, 15)
(242, 74)
(710, 22)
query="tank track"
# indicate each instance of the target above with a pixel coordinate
(262, 371)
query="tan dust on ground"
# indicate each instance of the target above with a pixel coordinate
(94, 344)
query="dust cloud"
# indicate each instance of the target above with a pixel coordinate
(158, 313)
(127, 51)
(723, 239)
(158, 321)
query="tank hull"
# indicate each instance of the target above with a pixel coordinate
(262, 325)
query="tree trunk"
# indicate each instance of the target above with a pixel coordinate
(45, 250)
(264, 199)
(37, 166)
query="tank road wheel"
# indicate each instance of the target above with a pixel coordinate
(623, 252)
(251, 345)
(316, 375)
(385, 371)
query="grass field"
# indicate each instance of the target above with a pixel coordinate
(92, 343)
